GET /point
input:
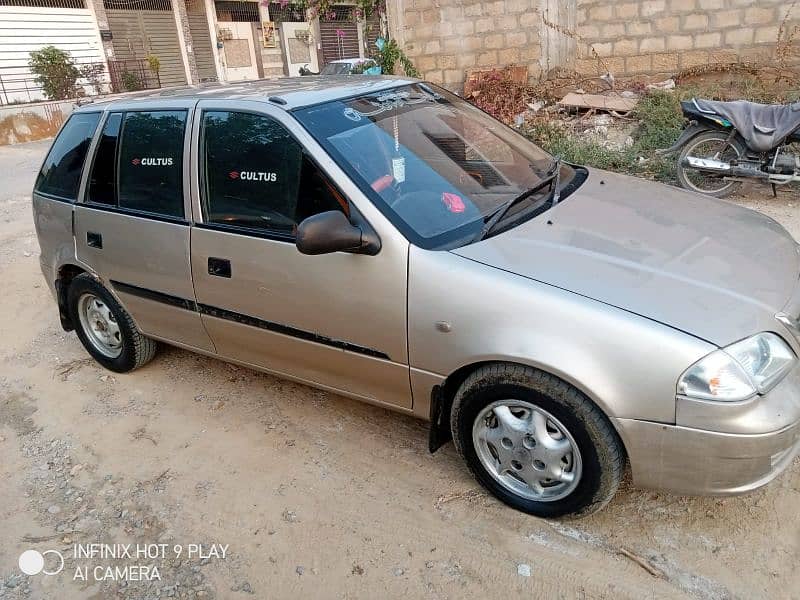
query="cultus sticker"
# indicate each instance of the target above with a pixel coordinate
(253, 176)
(153, 161)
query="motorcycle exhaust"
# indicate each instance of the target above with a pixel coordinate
(711, 165)
(706, 164)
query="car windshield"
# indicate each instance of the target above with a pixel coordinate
(336, 69)
(437, 166)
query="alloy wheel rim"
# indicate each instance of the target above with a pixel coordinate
(100, 326)
(527, 450)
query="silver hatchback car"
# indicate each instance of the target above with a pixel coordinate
(383, 239)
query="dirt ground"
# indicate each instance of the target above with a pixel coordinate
(315, 496)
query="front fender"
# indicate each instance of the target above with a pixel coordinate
(693, 130)
(627, 364)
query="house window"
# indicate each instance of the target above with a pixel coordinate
(44, 3)
(286, 13)
(237, 11)
(138, 4)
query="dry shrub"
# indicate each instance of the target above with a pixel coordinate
(500, 93)
(787, 47)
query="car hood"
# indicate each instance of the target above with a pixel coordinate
(701, 265)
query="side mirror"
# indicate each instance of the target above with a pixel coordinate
(329, 232)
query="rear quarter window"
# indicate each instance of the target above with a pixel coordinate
(61, 173)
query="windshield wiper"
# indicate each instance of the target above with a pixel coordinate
(555, 191)
(553, 178)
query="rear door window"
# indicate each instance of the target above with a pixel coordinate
(151, 162)
(61, 173)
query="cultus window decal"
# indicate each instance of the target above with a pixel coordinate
(152, 161)
(254, 176)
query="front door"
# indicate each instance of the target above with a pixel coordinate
(299, 47)
(238, 50)
(336, 320)
(131, 228)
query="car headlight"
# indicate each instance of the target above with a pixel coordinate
(737, 372)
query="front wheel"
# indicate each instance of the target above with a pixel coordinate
(535, 442)
(712, 145)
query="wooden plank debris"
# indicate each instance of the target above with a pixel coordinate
(598, 102)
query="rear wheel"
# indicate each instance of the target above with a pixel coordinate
(712, 145)
(535, 442)
(105, 329)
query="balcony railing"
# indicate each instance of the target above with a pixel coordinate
(96, 79)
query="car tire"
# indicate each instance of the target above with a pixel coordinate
(596, 462)
(111, 338)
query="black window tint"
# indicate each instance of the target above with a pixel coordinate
(253, 169)
(102, 179)
(61, 172)
(151, 162)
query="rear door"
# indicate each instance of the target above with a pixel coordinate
(337, 320)
(132, 228)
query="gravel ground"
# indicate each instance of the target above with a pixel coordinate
(297, 492)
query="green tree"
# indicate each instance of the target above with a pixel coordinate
(55, 72)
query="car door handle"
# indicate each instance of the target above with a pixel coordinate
(94, 240)
(219, 267)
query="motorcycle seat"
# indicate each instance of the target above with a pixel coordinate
(763, 126)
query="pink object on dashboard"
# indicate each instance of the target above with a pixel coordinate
(453, 202)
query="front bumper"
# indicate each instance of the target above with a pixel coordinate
(690, 461)
(717, 448)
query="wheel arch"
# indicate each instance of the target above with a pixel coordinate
(694, 129)
(66, 273)
(442, 397)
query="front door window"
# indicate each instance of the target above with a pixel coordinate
(256, 176)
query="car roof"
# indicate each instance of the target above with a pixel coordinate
(285, 92)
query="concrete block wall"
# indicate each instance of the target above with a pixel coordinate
(665, 36)
(444, 38)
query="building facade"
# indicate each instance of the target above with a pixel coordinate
(135, 44)
(124, 45)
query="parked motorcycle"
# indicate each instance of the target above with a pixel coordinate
(726, 143)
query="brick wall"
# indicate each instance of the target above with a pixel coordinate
(445, 37)
(665, 36)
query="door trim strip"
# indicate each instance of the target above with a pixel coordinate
(229, 315)
(147, 294)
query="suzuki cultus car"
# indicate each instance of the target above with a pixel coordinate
(383, 239)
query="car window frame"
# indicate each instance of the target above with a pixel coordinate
(94, 148)
(84, 169)
(199, 161)
(123, 109)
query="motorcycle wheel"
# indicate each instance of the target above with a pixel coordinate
(712, 145)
